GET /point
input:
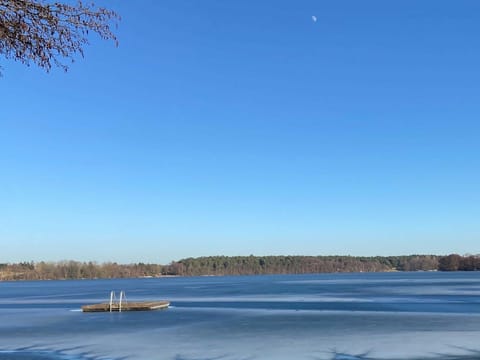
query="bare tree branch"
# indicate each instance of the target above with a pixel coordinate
(50, 34)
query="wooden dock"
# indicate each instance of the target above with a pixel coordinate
(123, 305)
(129, 306)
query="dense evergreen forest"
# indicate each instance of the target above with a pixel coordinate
(238, 265)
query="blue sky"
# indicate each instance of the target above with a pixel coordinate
(244, 127)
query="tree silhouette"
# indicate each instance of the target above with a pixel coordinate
(50, 34)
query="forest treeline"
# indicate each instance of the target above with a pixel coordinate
(237, 265)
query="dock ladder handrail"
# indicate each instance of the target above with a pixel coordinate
(122, 297)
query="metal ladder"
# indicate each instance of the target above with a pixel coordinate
(113, 298)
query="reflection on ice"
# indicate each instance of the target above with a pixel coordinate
(341, 356)
(467, 354)
(33, 353)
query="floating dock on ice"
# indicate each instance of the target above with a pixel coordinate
(123, 305)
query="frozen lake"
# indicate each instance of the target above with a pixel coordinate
(326, 316)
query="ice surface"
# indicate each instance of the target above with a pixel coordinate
(350, 317)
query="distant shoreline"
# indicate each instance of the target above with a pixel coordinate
(236, 265)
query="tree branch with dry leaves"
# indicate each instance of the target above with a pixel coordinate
(51, 34)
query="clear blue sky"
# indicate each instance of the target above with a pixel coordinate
(244, 127)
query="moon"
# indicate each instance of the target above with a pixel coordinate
(314, 18)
